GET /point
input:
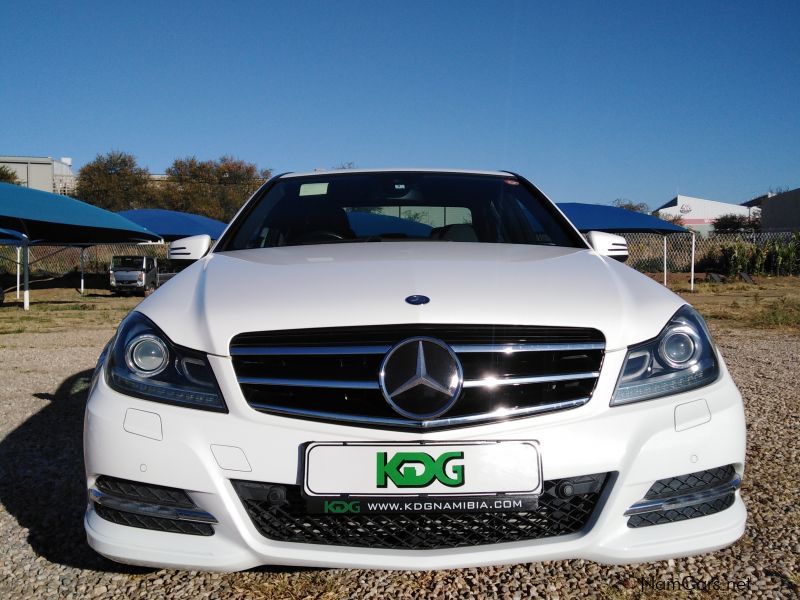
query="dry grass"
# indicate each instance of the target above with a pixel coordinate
(772, 303)
(58, 310)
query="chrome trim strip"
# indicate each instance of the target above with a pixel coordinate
(373, 385)
(150, 510)
(684, 500)
(383, 349)
(491, 382)
(312, 383)
(431, 424)
(512, 348)
(307, 350)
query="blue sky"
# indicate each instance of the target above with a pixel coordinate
(590, 100)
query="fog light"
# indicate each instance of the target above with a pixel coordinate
(147, 355)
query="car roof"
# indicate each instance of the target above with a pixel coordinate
(397, 170)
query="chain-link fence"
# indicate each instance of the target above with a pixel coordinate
(54, 261)
(754, 252)
(758, 253)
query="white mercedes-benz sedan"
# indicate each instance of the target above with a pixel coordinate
(410, 369)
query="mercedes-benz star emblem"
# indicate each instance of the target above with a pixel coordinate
(421, 378)
(418, 300)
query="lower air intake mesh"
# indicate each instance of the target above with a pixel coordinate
(288, 521)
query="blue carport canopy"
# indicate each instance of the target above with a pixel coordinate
(62, 221)
(11, 237)
(365, 224)
(29, 217)
(596, 217)
(173, 225)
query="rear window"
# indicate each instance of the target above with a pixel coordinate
(368, 207)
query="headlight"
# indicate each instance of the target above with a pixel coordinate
(144, 363)
(681, 358)
(113, 278)
(146, 355)
(140, 279)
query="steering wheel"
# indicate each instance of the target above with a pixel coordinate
(320, 234)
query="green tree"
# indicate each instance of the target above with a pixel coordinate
(734, 223)
(8, 175)
(114, 181)
(214, 188)
(674, 219)
(640, 207)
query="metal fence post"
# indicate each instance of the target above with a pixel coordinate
(26, 299)
(83, 252)
(665, 261)
(19, 258)
(691, 281)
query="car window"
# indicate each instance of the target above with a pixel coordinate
(386, 206)
(126, 262)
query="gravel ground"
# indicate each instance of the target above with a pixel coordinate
(44, 553)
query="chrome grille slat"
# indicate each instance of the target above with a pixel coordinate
(311, 383)
(492, 382)
(332, 374)
(373, 385)
(429, 424)
(308, 350)
(512, 348)
(458, 348)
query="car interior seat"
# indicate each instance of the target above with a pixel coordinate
(458, 232)
(323, 218)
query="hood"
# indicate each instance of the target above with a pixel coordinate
(333, 285)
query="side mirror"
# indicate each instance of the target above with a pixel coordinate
(190, 248)
(608, 244)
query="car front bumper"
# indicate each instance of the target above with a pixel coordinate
(154, 443)
(126, 286)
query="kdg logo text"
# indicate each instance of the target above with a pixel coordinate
(419, 469)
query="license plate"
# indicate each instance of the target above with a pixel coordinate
(419, 472)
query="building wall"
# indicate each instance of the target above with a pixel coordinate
(698, 213)
(781, 212)
(42, 173)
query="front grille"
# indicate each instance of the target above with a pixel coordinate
(332, 374)
(285, 519)
(154, 523)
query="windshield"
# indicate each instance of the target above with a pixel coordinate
(127, 262)
(385, 206)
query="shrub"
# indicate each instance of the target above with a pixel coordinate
(774, 257)
(782, 313)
